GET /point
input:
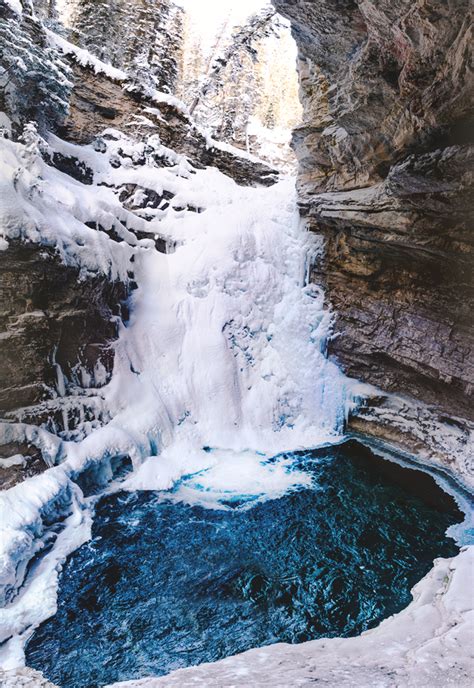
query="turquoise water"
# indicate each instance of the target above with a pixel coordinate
(164, 585)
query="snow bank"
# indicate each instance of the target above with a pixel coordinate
(42, 205)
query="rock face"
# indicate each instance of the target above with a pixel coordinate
(386, 175)
(99, 101)
(55, 343)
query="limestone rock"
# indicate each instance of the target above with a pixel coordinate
(386, 176)
(56, 333)
(99, 101)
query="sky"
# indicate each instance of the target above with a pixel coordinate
(208, 15)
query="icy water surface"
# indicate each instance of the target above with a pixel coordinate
(164, 585)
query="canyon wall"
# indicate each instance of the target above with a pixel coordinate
(56, 333)
(385, 174)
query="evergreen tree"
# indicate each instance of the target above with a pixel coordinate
(241, 48)
(141, 36)
(35, 80)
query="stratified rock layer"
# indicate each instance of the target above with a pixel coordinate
(386, 175)
(55, 338)
(99, 101)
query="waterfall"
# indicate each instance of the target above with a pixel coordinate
(226, 344)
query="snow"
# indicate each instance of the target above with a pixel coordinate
(162, 97)
(41, 204)
(16, 460)
(272, 145)
(87, 59)
(15, 5)
(84, 57)
(228, 148)
(40, 594)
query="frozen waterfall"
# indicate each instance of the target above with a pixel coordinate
(226, 344)
(221, 367)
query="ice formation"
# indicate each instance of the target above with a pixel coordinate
(221, 366)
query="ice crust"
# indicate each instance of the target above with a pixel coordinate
(221, 366)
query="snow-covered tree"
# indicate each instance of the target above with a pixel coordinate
(45, 9)
(245, 76)
(27, 177)
(141, 36)
(34, 77)
(231, 63)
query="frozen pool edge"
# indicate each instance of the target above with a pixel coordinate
(449, 482)
(412, 648)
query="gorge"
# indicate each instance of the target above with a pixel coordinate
(190, 345)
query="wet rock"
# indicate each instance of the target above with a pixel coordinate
(75, 168)
(18, 461)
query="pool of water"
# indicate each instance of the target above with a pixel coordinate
(163, 584)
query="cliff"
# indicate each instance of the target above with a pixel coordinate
(56, 335)
(385, 174)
